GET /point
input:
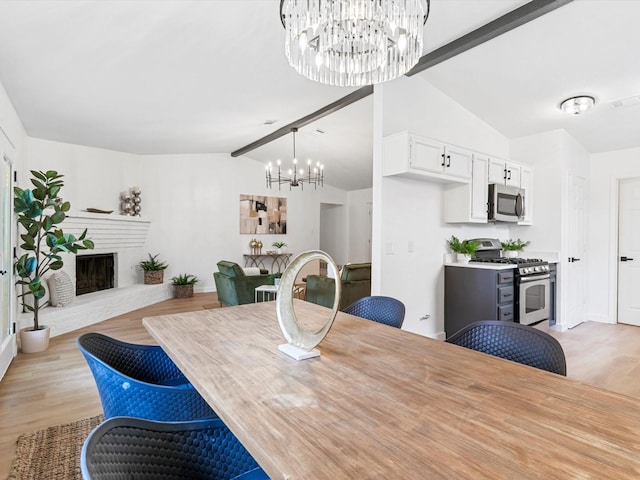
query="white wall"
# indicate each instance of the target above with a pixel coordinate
(555, 156)
(410, 211)
(333, 232)
(606, 170)
(192, 201)
(360, 202)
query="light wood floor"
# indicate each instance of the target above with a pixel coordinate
(56, 386)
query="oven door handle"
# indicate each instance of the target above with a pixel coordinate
(534, 278)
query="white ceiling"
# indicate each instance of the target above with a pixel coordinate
(203, 76)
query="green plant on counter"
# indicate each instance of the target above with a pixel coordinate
(467, 247)
(184, 279)
(153, 264)
(514, 245)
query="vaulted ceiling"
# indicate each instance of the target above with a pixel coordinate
(204, 76)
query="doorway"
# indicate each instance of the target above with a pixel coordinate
(629, 251)
(7, 336)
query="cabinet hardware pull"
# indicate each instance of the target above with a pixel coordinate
(3, 272)
(573, 259)
(448, 161)
(509, 171)
(505, 173)
(442, 160)
(626, 259)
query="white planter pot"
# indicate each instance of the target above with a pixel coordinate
(34, 341)
(510, 253)
(462, 258)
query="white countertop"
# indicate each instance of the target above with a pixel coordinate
(486, 266)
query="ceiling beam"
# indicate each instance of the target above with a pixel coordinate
(507, 22)
(323, 112)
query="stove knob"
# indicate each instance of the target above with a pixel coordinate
(536, 269)
(524, 270)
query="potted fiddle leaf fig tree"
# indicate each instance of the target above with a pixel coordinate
(40, 212)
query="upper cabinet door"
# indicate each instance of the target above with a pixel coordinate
(425, 154)
(457, 161)
(513, 175)
(497, 171)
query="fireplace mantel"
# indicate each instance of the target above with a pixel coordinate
(109, 231)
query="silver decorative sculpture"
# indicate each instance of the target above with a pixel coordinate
(130, 202)
(301, 342)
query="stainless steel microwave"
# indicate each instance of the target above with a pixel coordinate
(506, 204)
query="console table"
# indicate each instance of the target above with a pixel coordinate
(279, 260)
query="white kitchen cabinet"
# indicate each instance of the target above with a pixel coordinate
(526, 183)
(467, 203)
(504, 173)
(419, 157)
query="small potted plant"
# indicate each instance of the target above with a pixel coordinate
(183, 285)
(279, 246)
(153, 270)
(464, 249)
(274, 278)
(512, 247)
(40, 211)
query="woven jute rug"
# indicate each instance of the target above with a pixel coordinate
(52, 453)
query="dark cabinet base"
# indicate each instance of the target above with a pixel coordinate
(474, 294)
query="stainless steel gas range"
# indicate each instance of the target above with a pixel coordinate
(495, 287)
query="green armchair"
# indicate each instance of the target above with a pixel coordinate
(234, 287)
(355, 281)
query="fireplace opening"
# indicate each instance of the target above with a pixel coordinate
(94, 273)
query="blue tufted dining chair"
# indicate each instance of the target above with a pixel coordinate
(140, 381)
(123, 448)
(387, 310)
(515, 342)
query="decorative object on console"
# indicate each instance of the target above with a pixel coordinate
(260, 215)
(512, 247)
(296, 177)
(577, 105)
(279, 246)
(464, 249)
(153, 270)
(353, 43)
(40, 210)
(183, 285)
(301, 343)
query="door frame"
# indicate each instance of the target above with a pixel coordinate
(614, 213)
(9, 346)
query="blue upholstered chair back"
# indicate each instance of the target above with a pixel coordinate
(512, 341)
(140, 381)
(122, 448)
(387, 310)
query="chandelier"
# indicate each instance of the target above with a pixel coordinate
(295, 177)
(350, 43)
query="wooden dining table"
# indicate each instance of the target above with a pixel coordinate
(383, 403)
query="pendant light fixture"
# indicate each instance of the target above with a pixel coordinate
(351, 43)
(294, 176)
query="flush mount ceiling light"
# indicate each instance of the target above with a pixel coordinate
(577, 105)
(350, 43)
(295, 177)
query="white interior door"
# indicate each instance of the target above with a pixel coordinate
(7, 337)
(575, 271)
(629, 252)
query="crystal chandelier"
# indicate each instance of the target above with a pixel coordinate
(350, 43)
(295, 177)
